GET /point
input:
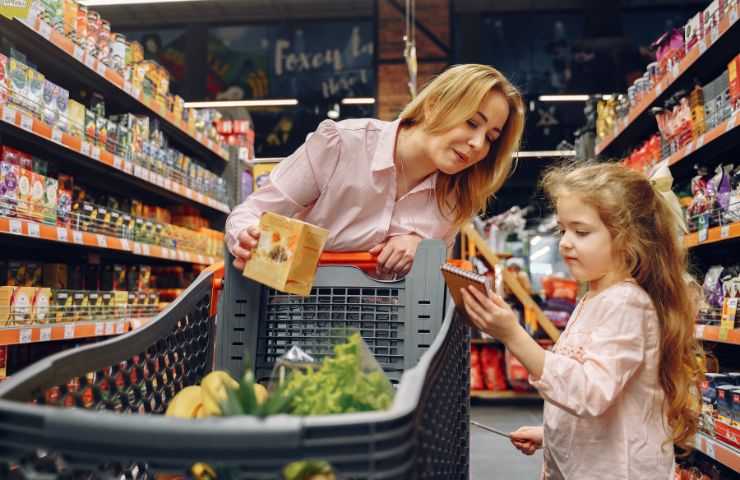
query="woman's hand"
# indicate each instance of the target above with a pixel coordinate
(396, 255)
(247, 241)
(489, 313)
(528, 439)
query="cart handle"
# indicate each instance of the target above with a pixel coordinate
(362, 260)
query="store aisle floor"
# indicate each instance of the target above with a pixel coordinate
(493, 457)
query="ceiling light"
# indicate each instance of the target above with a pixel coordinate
(278, 102)
(540, 253)
(104, 3)
(545, 153)
(358, 101)
(563, 98)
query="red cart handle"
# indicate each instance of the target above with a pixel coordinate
(362, 260)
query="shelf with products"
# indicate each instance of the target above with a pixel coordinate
(127, 170)
(62, 58)
(39, 231)
(709, 53)
(20, 335)
(718, 450)
(712, 333)
(712, 235)
(504, 395)
(718, 138)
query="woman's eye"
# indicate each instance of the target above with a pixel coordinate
(581, 233)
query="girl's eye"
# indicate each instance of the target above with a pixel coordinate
(561, 232)
(491, 140)
(472, 124)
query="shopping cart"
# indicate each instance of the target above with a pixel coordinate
(121, 386)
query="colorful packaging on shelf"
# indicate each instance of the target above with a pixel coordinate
(120, 304)
(38, 190)
(516, 373)
(21, 305)
(492, 364)
(50, 113)
(724, 402)
(41, 306)
(62, 305)
(736, 407)
(80, 307)
(103, 43)
(9, 175)
(70, 9)
(61, 108)
(64, 196)
(25, 180)
(93, 29)
(94, 305)
(50, 201)
(107, 307)
(476, 376)
(101, 130)
(80, 35)
(36, 83)
(734, 81)
(4, 82)
(75, 118)
(91, 126)
(709, 386)
(20, 90)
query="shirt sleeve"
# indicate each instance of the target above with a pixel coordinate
(294, 185)
(588, 375)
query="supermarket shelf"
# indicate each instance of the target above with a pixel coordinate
(719, 451)
(720, 137)
(29, 229)
(712, 235)
(68, 331)
(508, 394)
(58, 57)
(25, 122)
(705, 56)
(711, 333)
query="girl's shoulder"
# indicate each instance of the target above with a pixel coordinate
(627, 293)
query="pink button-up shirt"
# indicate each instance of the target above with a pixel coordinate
(603, 401)
(344, 179)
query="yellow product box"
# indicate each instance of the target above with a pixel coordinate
(107, 311)
(42, 306)
(95, 306)
(120, 305)
(287, 254)
(16, 305)
(76, 118)
(38, 188)
(80, 307)
(62, 305)
(25, 196)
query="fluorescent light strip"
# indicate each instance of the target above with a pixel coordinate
(540, 253)
(545, 153)
(358, 101)
(104, 3)
(284, 102)
(563, 98)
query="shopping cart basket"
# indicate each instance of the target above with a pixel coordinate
(122, 385)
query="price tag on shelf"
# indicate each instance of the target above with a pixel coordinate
(136, 92)
(99, 328)
(62, 234)
(137, 248)
(77, 237)
(56, 135)
(128, 167)
(69, 330)
(714, 34)
(16, 227)
(145, 249)
(700, 141)
(167, 184)
(9, 114)
(101, 69)
(110, 328)
(45, 334)
(675, 70)
(34, 230)
(145, 174)
(732, 121)
(135, 323)
(24, 335)
(180, 256)
(125, 244)
(703, 234)
(44, 30)
(90, 61)
(699, 331)
(120, 327)
(85, 149)
(95, 153)
(201, 259)
(26, 122)
(733, 15)
(117, 162)
(79, 54)
(127, 87)
(724, 232)
(102, 241)
(710, 450)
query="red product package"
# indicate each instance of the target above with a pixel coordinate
(476, 376)
(517, 375)
(560, 288)
(492, 361)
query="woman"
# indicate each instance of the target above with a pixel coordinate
(384, 186)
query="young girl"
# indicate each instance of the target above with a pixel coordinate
(618, 384)
(383, 186)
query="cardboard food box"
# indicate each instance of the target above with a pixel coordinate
(107, 306)
(734, 81)
(38, 189)
(95, 306)
(75, 118)
(61, 304)
(4, 85)
(50, 200)
(8, 189)
(20, 304)
(42, 306)
(25, 182)
(120, 304)
(80, 307)
(287, 254)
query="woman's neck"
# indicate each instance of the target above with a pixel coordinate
(410, 160)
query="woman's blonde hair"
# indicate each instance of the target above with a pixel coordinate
(450, 99)
(643, 230)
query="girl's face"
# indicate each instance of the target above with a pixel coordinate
(469, 143)
(586, 244)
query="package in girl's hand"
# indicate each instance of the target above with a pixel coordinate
(287, 254)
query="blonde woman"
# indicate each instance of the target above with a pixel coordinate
(383, 186)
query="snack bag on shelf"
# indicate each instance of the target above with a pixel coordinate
(492, 363)
(476, 375)
(516, 374)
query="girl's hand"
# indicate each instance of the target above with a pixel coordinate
(489, 313)
(396, 255)
(248, 239)
(528, 439)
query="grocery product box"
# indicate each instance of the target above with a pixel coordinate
(287, 254)
(51, 192)
(107, 306)
(95, 306)
(734, 81)
(4, 82)
(25, 181)
(38, 191)
(16, 305)
(62, 305)
(80, 307)
(36, 82)
(9, 174)
(75, 118)
(42, 306)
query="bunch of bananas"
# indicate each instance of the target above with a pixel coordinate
(219, 394)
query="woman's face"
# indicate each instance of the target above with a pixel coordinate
(469, 142)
